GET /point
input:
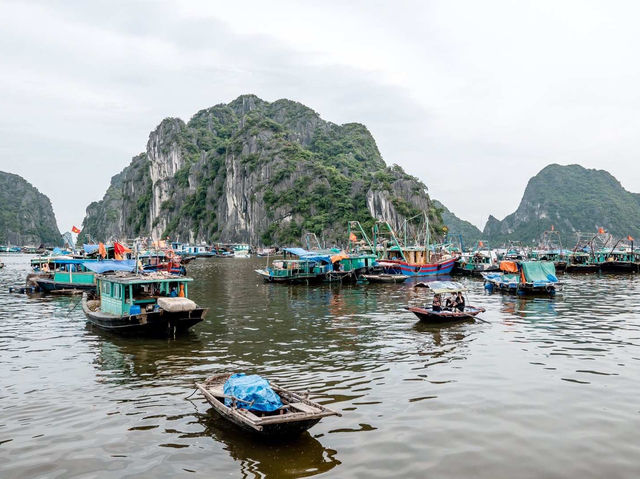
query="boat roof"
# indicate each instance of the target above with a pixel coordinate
(439, 287)
(131, 278)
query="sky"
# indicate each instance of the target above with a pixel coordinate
(473, 98)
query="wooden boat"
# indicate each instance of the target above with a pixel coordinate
(297, 414)
(304, 270)
(469, 313)
(444, 316)
(142, 304)
(61, 274)
(385, 278)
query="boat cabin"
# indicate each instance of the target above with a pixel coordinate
(296, 268)
(64, 270)
(129, 294)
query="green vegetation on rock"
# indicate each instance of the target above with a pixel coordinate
(26, 215)
(571, 199)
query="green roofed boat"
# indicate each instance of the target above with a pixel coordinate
(153, 304)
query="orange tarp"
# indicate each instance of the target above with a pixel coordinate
(508, 267)
(338, 257)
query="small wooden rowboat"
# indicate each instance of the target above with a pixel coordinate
(385, 278)
(444, 315)
(423, 314)
(297, 414)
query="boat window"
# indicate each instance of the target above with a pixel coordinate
(106, 288)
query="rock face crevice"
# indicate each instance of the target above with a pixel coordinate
(26, 215)
(257, 172)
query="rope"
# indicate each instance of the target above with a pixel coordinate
(194, 391)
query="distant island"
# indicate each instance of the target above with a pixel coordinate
(26, 215)
(569, 199)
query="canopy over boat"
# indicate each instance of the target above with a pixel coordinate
(539, 271)
(441, 287)
(309, 255)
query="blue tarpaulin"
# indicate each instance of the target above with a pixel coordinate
(252, 389)
(59, 251)
(297, 251)
(110, 265)
(90, 248)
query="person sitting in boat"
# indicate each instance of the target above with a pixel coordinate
(450, 303)
(459, 302)
(174, 292)
(437, 304)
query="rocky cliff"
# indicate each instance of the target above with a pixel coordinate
(571, 199)
(26, 215)
(257, 172)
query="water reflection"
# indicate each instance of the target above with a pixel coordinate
(127, 358)
(301, 456)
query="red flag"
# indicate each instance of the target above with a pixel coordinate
(353, 237)
(629, 238)
(102, 250)
(120, 249)
(75, 229)
(601, 230)
(480, 243)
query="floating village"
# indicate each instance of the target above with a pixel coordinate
(141, 288)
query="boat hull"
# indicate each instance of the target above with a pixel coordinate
(582, 268)
(48, 285)
(289, 279)
(154, 323)
(618, 267)
(385, 278)
(410, 269)
(436, 317)
(275, 425)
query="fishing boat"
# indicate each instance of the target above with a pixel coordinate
(145, 304)
(474, 263)
(62, 274)
(385, 278)
(523, 277)
(581, 262)
(304, 270)
(350, 267)
(241, 251)
(398, 257)
(297, 414)
(428, 314)
(162, 261)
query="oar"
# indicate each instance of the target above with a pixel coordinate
(73, 309)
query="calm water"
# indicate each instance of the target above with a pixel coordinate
(550, 388)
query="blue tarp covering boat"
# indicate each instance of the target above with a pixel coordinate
(253, 390)
(309, 255)
(90, 248)
(110, 265)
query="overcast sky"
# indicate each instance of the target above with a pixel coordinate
(472, 97)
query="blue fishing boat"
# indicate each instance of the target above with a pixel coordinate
(523, 277)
